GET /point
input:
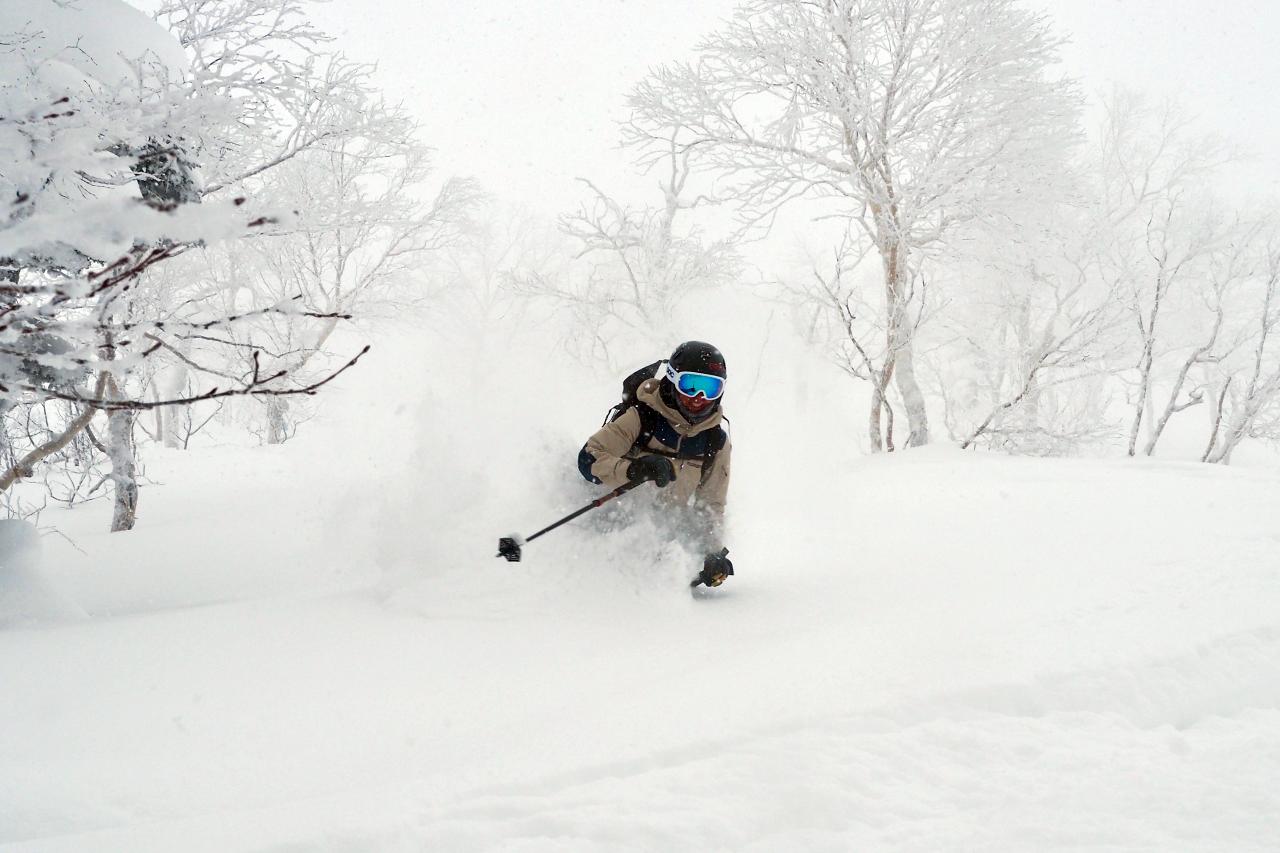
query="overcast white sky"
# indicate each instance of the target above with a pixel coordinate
(524, 94)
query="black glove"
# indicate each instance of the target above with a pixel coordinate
(651, 467)
(715, 568)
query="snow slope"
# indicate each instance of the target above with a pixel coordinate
(929, 651)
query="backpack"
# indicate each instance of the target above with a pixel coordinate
(630, 386)
(651, 420)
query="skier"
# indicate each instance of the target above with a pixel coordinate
(668, 430)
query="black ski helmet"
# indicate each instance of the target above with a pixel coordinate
(695, 357)
(699, 357)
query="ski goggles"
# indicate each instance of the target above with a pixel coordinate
(692, 384)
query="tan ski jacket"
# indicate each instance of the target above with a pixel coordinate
(606, 455)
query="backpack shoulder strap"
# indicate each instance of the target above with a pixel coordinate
(715, 443)
(649, 422)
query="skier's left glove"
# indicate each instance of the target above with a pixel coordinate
(716, 568)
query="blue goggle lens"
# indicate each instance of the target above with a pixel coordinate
(693, 384)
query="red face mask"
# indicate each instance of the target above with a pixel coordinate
(694, 405)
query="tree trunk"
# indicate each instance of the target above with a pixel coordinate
(1241, 424)
(177, 423)
(162, 423)
(174, 418)
(873, 423)
(278, 427)
(912, 396)
(875, 430)
(1030, 400)
(1146, 365)
(901, 347)
(277, 420)
(1218, 404)
(123, 469)
(1156, 426)
(5, 450)
(1144, 390)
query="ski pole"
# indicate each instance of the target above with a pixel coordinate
(509, 547)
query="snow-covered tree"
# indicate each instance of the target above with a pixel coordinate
(833, 302)
(316, 136)
(101, 134)
(479, 301)
(1247, 400)
(365, 231)
(1033, 341)
(633, 263)
(911, 117)
(1164, 238)
(1136, 286)
(293, 92)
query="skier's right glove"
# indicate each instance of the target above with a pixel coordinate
(651, 467)
(716, 568)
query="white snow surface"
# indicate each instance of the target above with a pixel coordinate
(312, 647)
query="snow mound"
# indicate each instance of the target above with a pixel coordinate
(26, 597)
(107, 42)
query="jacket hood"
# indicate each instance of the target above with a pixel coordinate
(650, 394)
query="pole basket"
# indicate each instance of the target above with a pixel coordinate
(509, 548)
